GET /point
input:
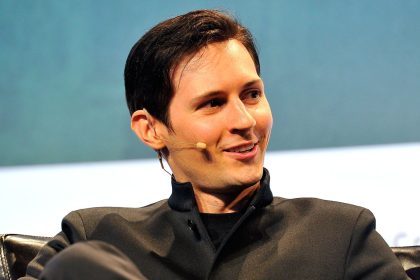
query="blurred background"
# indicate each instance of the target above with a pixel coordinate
(342, 78)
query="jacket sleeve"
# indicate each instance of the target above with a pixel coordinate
(368, 255)
(72, 231)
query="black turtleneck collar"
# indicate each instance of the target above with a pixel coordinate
(183, 199)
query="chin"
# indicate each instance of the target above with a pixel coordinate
(249, 177)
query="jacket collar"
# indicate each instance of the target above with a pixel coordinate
(182, 197)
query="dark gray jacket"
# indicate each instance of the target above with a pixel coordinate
(276, 238)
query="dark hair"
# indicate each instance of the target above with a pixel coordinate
(149, 65)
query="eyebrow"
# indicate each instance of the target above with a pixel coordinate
(210, 94)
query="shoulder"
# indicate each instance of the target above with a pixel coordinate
(324, 214)
(129, 213)
(86, 220)
(342, 233)
(316, 206)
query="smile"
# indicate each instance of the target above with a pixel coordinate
(241, 149)
(243, 152)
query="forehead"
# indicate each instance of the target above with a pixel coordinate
(213, 67)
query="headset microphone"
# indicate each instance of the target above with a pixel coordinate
(182, 146)
(201, 145)
(198, 145)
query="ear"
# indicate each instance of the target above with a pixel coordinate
(143, 125)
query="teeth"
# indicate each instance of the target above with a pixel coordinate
(242, 149)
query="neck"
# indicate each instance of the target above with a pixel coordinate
(218, 203)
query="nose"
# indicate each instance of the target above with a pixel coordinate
(239, 117)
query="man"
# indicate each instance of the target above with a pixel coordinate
(196, 97)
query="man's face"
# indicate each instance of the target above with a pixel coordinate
(219, 100)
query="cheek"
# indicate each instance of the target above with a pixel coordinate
(200, 131)
(208, 132)
(264, 120)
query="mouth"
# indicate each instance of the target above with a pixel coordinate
(242, 149)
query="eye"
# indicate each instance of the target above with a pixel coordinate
(252, 96)
(212, 103)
